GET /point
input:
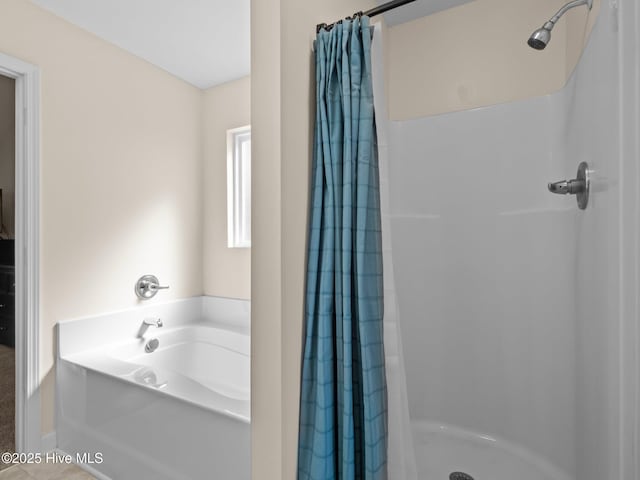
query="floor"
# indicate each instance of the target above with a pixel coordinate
(45, 471)
(7, 400)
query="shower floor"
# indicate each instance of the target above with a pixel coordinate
(442, 450)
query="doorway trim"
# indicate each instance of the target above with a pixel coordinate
(27, 250)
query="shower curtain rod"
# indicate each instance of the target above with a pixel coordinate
(385, 7)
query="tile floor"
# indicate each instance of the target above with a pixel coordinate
(45, 471)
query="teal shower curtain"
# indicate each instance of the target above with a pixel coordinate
(343, 407)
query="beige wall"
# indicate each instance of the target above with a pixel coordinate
(121, 161)
(7, 154)
(227, 271)
(476, 55)
(266, 249)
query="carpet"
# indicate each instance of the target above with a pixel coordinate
(7, 401)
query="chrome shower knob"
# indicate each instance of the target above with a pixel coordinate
(564, 187)
(147, 286)
(578, 186)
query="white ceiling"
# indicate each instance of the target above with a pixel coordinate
(418, 9)
(205, 42)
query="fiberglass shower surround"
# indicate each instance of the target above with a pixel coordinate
(501, 286)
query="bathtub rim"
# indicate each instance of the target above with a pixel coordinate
(85, 342)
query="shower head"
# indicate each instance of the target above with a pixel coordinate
(542, 36)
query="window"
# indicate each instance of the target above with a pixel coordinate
(239, 187)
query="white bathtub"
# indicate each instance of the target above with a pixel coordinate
(214, 358)
(179, 412)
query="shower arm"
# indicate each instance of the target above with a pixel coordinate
(569, 6)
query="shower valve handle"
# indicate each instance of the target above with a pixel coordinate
(564, 187)
(578, 186)
(147, 286)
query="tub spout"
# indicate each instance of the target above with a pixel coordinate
(156, 322)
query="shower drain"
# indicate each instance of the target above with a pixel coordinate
(460, 476)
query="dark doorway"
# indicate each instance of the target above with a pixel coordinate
(7, 266)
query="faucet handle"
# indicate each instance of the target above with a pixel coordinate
(147, 286)
(578, 186)
(564, 187)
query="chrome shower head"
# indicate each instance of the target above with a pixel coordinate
(541, 37)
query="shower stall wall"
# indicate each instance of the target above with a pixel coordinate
(508, 296)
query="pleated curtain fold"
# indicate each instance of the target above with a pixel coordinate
(343, 406)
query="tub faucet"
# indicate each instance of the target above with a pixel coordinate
(156, 322)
